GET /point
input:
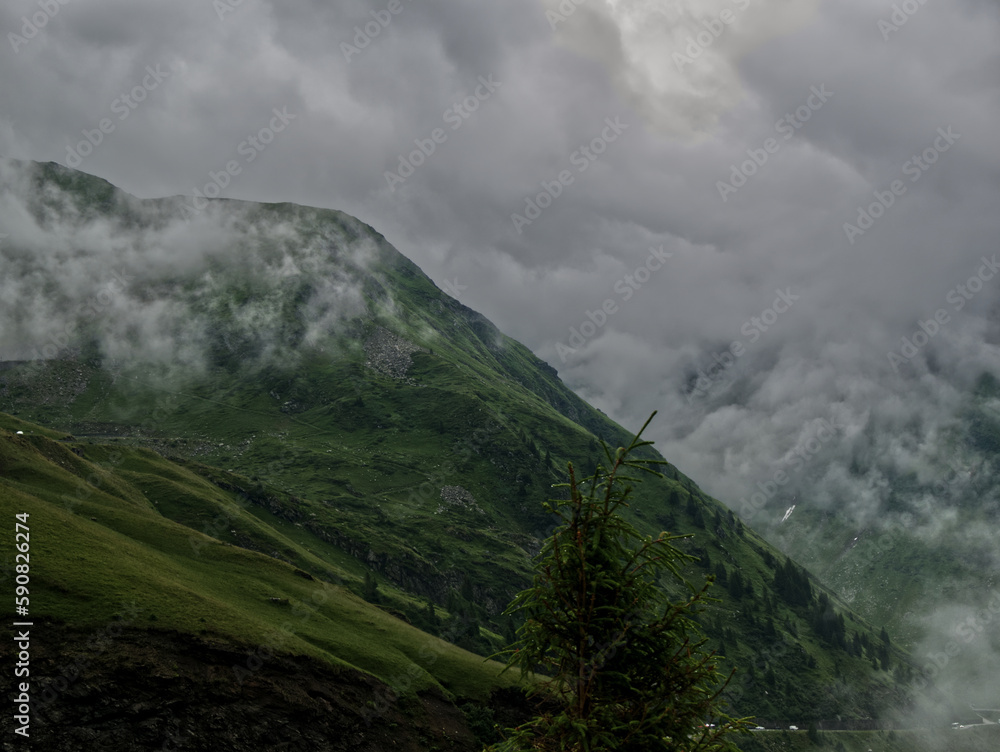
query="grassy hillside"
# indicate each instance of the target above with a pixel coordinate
(361, 500)
(104, 541)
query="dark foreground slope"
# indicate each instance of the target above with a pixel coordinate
(375, 430)
(121, 689)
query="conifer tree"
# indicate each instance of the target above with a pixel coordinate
(626, 667)
(736, 584)
(813, 733)
(370, 588)
(431, 613)
(466, 590)
(721, 574)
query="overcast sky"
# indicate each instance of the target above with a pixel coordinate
(735, 137)
(730, 211)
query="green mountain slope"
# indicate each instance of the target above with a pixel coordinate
(382, 432)
(106, 550)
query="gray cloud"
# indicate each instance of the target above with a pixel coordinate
(165, 283)
(689, 127)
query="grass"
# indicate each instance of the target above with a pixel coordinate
(95, 555)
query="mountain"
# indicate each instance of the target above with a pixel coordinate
(146, 631)
(279, 386)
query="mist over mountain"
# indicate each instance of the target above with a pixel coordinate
(379, 425)
(105, 270)
(786, 243)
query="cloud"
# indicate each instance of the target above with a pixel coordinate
(691, 126)
(676, 62)
(155, 282)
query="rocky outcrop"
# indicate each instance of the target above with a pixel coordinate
(389, 354)
(457, 496)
